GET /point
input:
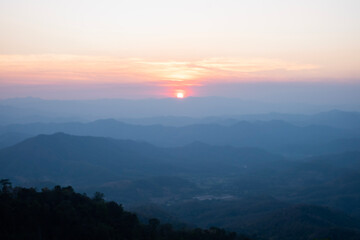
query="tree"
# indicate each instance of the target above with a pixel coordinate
(98, 197)
(6, 185)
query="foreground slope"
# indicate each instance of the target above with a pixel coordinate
(61, 213)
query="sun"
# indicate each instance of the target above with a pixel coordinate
(180, 95)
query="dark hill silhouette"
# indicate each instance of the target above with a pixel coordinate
(61, 213)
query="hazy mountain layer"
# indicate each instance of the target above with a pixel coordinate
(127, 170)
(277, 136)
(201, 184)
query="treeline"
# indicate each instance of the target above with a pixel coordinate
(61, 213)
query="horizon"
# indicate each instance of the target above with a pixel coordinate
(55, 110)
(141, 49)
(335, 94)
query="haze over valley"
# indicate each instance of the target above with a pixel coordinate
(231, 171)
(180, 120)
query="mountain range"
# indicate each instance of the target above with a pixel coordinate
(276, 136)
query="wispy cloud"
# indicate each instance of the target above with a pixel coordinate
(53, 69)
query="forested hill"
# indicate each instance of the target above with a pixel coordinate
(61, 213)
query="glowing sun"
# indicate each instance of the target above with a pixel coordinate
(180, 95)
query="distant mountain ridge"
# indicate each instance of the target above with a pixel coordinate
(264, 134)
(333, 118)
(190, 106)
(167, 111)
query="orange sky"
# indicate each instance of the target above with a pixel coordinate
(53, 69)
(178, 44)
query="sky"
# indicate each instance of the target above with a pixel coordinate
(158, 48)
